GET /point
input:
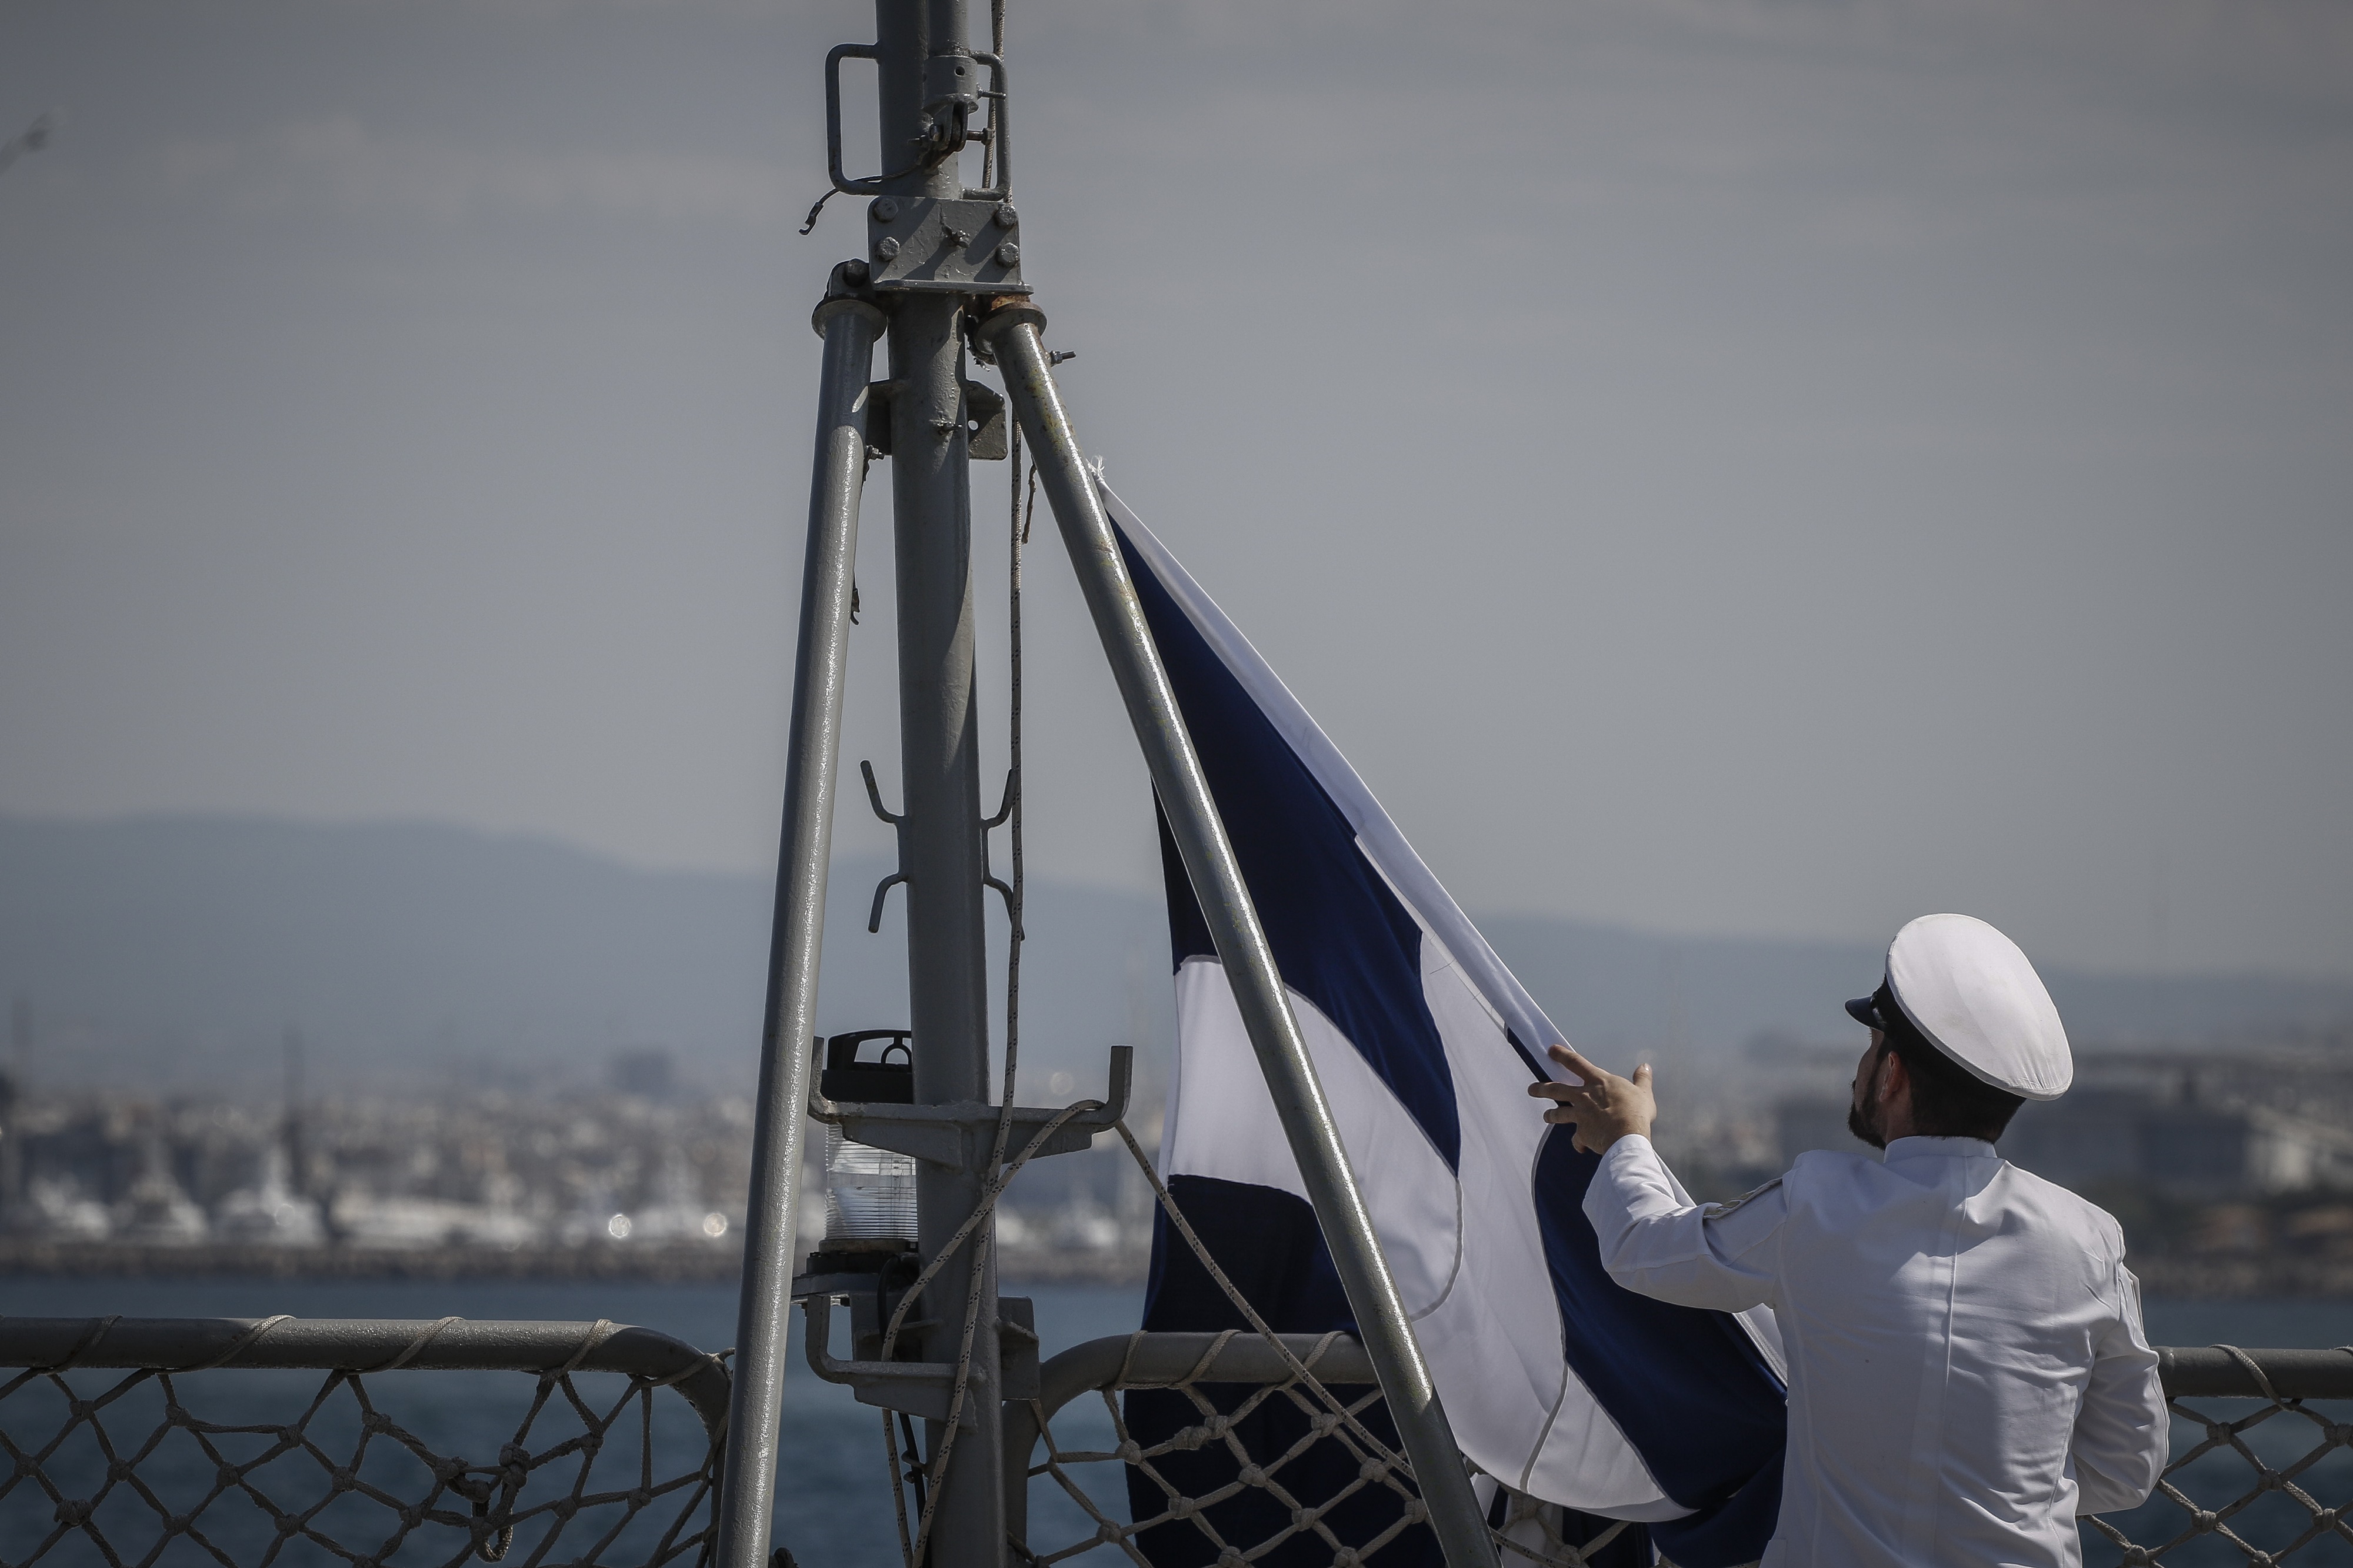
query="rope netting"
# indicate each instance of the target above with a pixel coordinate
(203, 1466)
(1248, 1509)
(1258, 1510)
(2299, 1455)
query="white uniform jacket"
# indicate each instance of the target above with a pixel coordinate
(1967, 1367)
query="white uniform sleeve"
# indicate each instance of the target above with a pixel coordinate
(1657, 1242)
(2122, 1430)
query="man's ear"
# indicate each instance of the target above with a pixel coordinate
(1894, 1079)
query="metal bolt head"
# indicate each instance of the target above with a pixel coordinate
(884, 210)
(1009, 254)
(886, 247)
(853, 271)
(1005, 215)
(957, 237)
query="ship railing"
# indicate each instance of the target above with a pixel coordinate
(613, 1457)
(2297, 1440)
(616, 1432)
(2261, 1467)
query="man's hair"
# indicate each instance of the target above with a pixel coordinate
(1947, 1101)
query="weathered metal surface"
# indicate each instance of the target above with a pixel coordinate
(370, 1344)
(2200, 1371)
(959, 1136)
(812, 758)
(923, 63)
(944, 245)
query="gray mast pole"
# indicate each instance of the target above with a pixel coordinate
(922, 53)
(748, 1481)
(1200, 835)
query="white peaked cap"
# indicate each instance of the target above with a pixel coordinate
(1972, 992)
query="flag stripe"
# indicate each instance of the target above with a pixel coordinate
(1313, 750)
(1555, 1377)
(1340, 937)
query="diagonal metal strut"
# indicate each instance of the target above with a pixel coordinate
(748, 1481)
(1012, 331)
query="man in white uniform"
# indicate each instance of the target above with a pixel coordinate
(1967, 1368)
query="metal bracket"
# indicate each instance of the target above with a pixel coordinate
(923, 1388)
(938, 245)
(918, 1387)
(986, 431)
(961, 1134)
(984, 422)
(874, 790)
(833, 115)
(940, 94)
(876, 405)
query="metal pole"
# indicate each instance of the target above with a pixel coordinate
(919, 44)
(1242, 947)
(748, 1482)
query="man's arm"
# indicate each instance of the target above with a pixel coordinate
(1661, 1246)
(1653, 1240)
(2122, 1430)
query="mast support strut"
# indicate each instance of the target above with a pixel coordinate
(1191, 812)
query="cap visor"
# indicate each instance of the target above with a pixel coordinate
(1864, 1012)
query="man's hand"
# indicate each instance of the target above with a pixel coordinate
(1604, 1107)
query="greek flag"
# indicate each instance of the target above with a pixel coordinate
(1560, 1385)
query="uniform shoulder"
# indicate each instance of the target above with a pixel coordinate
(2079, 1213)
(1819, 1170)
(1717, 1211)
(1828, 1162)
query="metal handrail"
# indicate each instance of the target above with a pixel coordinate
(372, 1344)
(2225, 1371)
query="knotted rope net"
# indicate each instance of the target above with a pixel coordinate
(1275, 1504)
(251, 1468)
(2300, 1453)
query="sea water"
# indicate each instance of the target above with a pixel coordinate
(833, 1501)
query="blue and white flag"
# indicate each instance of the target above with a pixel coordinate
(1558, 1383)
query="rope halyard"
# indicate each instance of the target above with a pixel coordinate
(981, 1250)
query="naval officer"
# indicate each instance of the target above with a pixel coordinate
(1967, 1368)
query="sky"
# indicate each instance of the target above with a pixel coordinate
(1767, 467)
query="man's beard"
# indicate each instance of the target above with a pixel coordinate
(1865, 1127)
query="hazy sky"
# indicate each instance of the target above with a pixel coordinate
(1765, 467)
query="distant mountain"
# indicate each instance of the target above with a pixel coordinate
(1711, 994)
(182, 948)
(178, 949)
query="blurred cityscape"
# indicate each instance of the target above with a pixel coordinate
(2230, 1170)
(2232, 1173)
(634, 1177)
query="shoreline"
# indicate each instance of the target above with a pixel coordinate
(688, 1263)
(2163, 1276)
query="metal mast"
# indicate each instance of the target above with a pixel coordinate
(943, 260)
(952, 245)
(929, 85)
